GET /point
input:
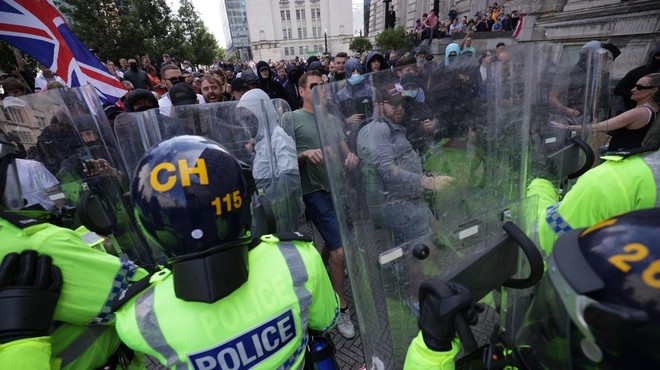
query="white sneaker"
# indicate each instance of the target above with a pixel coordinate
(345, 326)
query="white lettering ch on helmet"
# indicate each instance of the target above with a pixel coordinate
(248, 348)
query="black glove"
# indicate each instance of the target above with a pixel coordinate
(29, 289)
(440, 303)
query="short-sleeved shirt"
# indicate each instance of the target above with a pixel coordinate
(313, 178)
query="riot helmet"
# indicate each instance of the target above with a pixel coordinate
(599, 303)
(87, 129)
(191, 197)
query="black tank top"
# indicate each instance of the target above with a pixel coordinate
(625, 139)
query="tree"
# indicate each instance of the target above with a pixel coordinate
(394, 39)
(121, 28)
(195, 41)
(360, 45)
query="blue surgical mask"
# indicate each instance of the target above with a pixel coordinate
(355, 79)
(411, 93)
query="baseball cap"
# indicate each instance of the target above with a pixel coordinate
(409, 79)
(249, 77)
(393, 94)
(239, 83)
(182, 94)
(111, 110)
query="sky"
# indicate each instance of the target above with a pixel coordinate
(209, 11)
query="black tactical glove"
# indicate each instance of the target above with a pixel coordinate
(29, 289)
(440, 303)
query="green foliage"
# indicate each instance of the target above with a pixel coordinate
(394, 38)
(130, 28)
(360, 45)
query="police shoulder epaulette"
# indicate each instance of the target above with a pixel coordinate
(19, 220)
(130, 292)
(289, 236)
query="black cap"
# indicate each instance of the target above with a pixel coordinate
(239, 83)
(249, 77)
(409, 79)
(182, 94)
(111, 110)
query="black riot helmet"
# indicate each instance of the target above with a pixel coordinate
(599, 303)
(192, 199)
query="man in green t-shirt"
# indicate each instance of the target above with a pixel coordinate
(316, 185)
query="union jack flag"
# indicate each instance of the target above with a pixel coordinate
(37, 28)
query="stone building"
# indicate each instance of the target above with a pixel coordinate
(286, 29)
(632, 25)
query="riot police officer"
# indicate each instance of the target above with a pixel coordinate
(222, 303)
(29, 287)
(627, 181)
(598, 305)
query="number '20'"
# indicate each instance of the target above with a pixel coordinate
(636, 252)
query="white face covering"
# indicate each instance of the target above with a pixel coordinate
(12, 198)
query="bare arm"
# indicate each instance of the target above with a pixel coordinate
(632, 119)
(554, 101)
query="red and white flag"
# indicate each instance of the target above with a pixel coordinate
(37, 28)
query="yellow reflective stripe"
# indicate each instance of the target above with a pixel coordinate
(299, 276)
(76, 348)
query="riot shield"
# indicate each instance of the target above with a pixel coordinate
(402, 222)
(579, 96)
(69, 166)
(249, 129)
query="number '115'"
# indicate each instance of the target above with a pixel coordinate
(228, 203)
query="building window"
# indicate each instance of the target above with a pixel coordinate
(316, 13)
(286, 51)
(304, 32)
(300, 14)
(300, 33)
(314, 34)
(282, 15)
(284, 33)
(301, 50)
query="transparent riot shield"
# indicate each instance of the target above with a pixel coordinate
(444, 163)
(250, 129)
(579, 97)
(70, 169)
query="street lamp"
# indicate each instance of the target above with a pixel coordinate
(325, 37)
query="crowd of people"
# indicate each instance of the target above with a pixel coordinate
(386, 113)
(493, 19)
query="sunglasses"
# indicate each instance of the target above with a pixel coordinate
(175, 80)
(312, 85)
(642, 87)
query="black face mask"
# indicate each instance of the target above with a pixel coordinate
(133, 66)
(143, 108)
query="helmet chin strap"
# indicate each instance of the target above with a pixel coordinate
(213, 274)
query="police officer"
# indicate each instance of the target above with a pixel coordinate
(598, 305)
(84, 338)
(222, 303)
(627, 181)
